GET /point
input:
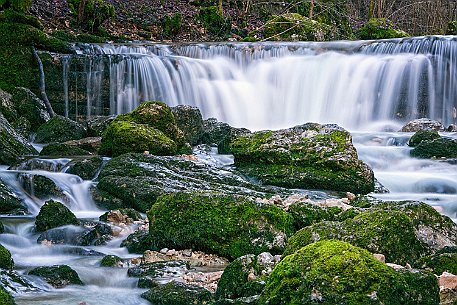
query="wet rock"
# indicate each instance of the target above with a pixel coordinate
(193, 258)
(190, 121)
(86, 168)
(96, 126)
(29, 106)
(307, 156)
(452, 128)
(150, 127)
(10, 202)
(245, 276)
(121, 216)
(54, 214)
(12, 145)
(138, 180)
(178, 294)
(90, 144)
(40, 187)
(7, 106)
(89, 235)
(230, 226)
(388, 232)
(207, 280)
(49, 165)
(159, 269)
(111, 261)
(95, 236)
(437, 148)
(6, 260)
(137, 242)
(62, 150)
(220, 134)
(240, 301)
(324, 272)
(57, 276)
(60, 129)
(422, 124)
(423, 135)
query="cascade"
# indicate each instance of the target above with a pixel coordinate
(275, 85)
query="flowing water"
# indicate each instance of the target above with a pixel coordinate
(369, 87)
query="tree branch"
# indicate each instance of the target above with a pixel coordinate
(42, 84)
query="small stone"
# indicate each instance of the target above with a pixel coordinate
(187, 253)
(380, 257)
(350, 196)
(395, 266)
(164, 250)
(171, 252)
(251, 277)
(448, 280)
(146, 152)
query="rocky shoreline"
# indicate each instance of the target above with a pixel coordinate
(264, 237)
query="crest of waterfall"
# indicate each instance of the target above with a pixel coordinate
(274, 85)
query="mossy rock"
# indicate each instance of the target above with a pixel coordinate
(220, 134)
(379, 28)
(54, 214)
(41, 187)
(7, 106)
(12, 145)
(138, 242)
(137, 180)
(86, 168)
(62, 150)
(307, 156)
(306, 214)
(388, 232)
(97, 125)
(30, 107)
(60, 129)
(443, 261)
(127, 213)
(110, 261)
(423, 135)
(178, 294)
(230, 226)
(123, 137)
(189, 120)
(10, 203)
(5, 297)
(293, 26)
(335, 272)
(437, 148)
(57, 276)
(6, 260)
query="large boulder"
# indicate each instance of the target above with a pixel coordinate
(137, 180)
(57, 276)
(422, 124)
(54, 214)
(60, 129)
(12, 144)
(335, 272)
(437, 148)
(307, 156)
(189, 120)
(150, 127)
(230, 226)
(97, 125)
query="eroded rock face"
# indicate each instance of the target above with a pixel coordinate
(12, 144)
(422, 124)
(324, 272)
(307, 156)
(137, 180)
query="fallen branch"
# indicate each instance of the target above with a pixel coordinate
(42, 84)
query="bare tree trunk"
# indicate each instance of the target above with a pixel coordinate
(311, 8)
(42, 84)
(220, 8)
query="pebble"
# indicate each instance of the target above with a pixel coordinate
(380, 257)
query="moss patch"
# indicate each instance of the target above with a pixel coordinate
(54, 214)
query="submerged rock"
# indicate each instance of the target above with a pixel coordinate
(137, 180)
(88, 235)
(54, 214)
(57, 276)
(227, 225)
(307, 156)
(422, 124)
(12, 144)
(334, 272)
(178, 294)
(60, 129)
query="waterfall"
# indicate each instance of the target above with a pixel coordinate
(274, 85)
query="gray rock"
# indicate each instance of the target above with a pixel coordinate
(422, 124)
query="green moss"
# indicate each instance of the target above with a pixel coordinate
(110, 261)
(452, 28)
(379, 28)
(93, 14)
(437, 148)
(423, 135)
(30, 107)
(178, 294)
(293, 26)
(6, 298)
(122, 137)
(6, 261)
(306, 214)
(14, 16)
(214, 22)
(388, 232)
(439, 263)
(58, 276)
(20, 6)
(85, 168)
(62, 150)
(222, 224)
(12, 145)
(60, 129)
(54, 214)
(335, 272)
